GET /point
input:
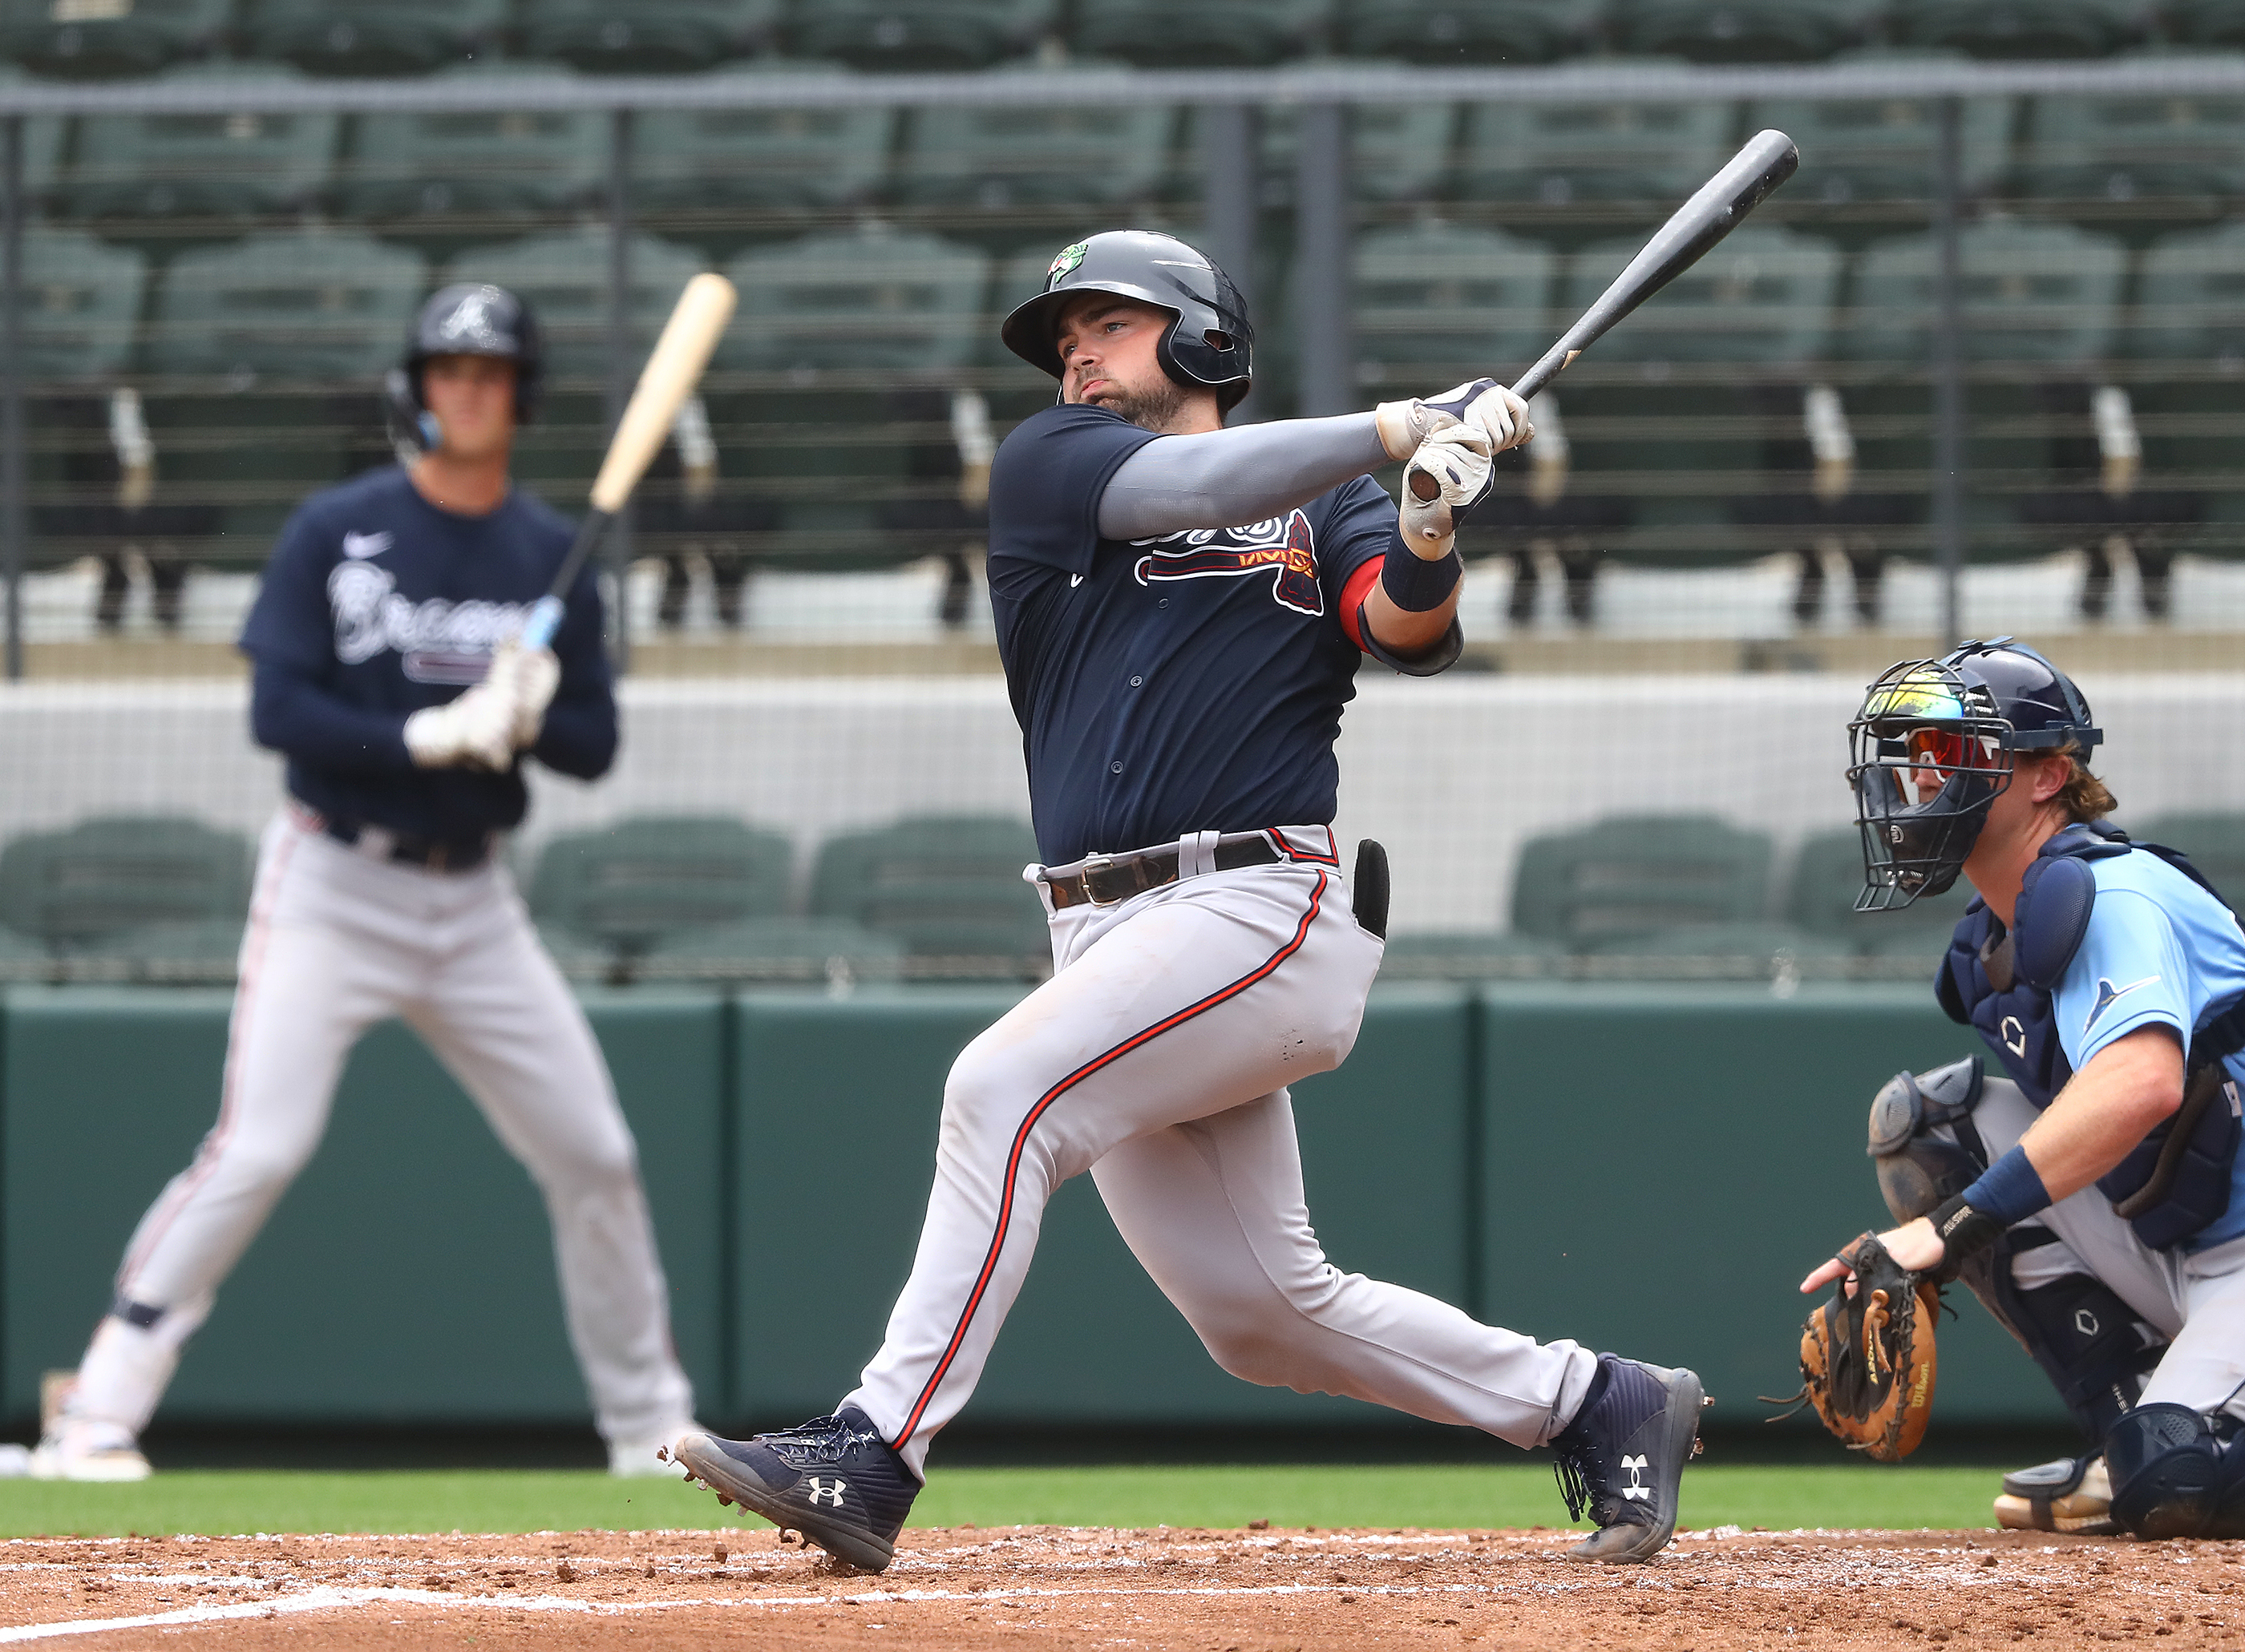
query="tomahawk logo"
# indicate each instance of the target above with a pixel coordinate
(1287, 549)
(829, 1493)
(1636, 1487)
(471, 322)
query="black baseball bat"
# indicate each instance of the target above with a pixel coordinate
(1713, 212)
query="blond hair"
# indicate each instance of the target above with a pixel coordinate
(2084, 797)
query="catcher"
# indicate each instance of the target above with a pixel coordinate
(2088, 1198)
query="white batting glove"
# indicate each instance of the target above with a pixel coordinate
(475, 731)
(525, 677)
(1450, 470)
(1404, 425)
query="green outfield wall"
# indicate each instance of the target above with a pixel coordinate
(1646, 1168)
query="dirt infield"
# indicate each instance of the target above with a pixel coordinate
(1251, 1591)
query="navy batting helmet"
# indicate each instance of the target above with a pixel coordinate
(1933, 747)
(1210, 345)
(468, 318)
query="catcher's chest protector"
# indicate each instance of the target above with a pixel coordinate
(2002, 984)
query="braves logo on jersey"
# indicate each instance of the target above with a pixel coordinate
(1285, 548)
(436, 640)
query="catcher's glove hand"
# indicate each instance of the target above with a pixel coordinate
(1866, 1359)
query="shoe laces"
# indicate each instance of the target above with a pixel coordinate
(822, 1440)
(1582, 1477)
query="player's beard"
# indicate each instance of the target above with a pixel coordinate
(1160, 407)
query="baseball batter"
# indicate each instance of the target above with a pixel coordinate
(1181, 610)
(2091, 1197)
(383, 670)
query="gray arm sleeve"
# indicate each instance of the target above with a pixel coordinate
(1223, 478)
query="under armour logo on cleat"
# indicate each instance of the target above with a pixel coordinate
(1636, 1487)
(830, 1494)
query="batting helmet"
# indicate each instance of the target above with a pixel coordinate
(1210, 346)
(1959, 721)
(468, 318)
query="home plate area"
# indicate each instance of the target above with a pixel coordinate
(1033, 1587)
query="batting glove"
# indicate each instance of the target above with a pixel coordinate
(1484, 402)
(474, 731)
(525, 679)
(1450, 471)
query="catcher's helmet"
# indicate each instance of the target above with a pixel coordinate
(1958, 719)
(1212, 344)
(468, 318)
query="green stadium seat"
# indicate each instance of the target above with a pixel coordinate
(1721, 952)
(2151, 155)
(1883, 148)
(646, 36)
(165, 165)
(1820, 898)
(101, 40)
(1763, 298)
(1438, 303)
(2190, 297)
(42, 144)
(200, 951)
(921, 35)
(311, 304)
(2032, 293)
(2215, 843)
(775, 948)
(580, 958)
(565, 277)
(113, 873)
(1556, 154)
(870, 298)
(998, 155)
(1471, 954)
(1634, 875)
(764, 158)
(1448, 32)
(371, 36)
(1743, 30)
(2020, 28)
(474, 164)
(1192, 34)
(649, 877)
(81, 303)
(2190, 314)
(949, 887)
(1397, 152)
(2204, 23)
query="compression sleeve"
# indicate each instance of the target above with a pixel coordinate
(291, 714)
(1218, 478)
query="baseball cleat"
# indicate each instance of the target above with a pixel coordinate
(89, 1451)
(2072, 1494)
(833, 1478)
(1622, 1457)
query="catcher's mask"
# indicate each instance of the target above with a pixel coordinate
(1210, 344)
(468, 318)
(1932, 749)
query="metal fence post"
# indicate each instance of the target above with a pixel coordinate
(1325, 346)
(1231, 203)
(620, 357)
(1949, 375)
(14, 514)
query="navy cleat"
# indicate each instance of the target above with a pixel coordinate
(1622, 1457)
(833, 1478)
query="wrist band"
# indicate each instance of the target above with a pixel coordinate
(1962, 1231)
(2010, 1190)
(1415, 584)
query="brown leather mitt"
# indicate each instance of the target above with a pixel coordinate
(1867, 1361)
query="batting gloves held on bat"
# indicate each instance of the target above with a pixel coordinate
(486, 726)
(1484, 404)
(1450, 470)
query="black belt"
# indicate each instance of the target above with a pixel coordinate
(438, 854)
(1106, 879)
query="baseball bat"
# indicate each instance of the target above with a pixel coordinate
(673, 369)
(1713, 212)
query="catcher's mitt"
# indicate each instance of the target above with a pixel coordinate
(1866, 1360)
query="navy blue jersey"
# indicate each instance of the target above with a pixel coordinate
(1189, 683)
(374, 604)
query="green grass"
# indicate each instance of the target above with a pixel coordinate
(227, 1501)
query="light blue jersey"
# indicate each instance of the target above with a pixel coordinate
(2160, 950)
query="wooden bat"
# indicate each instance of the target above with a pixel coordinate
(1713, 212)
(673, 369)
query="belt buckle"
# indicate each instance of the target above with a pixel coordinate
(1094, 867)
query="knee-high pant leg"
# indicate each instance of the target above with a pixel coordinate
(1214, 1211)
(1193, 1001)
(500, 1017)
